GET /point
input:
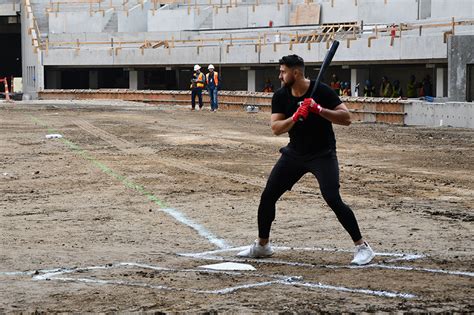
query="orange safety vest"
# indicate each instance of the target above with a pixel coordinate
(199, 81)
(216, 78)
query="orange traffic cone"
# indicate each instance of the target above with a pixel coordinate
(7, 93)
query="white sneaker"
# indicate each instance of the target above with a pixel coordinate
(257, 251)
(363, 254)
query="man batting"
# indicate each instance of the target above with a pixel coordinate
(312, 148)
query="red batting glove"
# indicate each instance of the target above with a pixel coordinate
(302, 113)
(313, 106)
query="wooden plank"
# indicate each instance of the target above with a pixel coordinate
(306, 13)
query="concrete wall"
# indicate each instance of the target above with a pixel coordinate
(369, 11)
(376, 11)
(461, 53)
(454, 114)
(172, 20)
(232, 18)
(135, 20)
(9, 7)
(263, 14)
(247, 16)
(77, 22)
(449, 8)
(342, 11)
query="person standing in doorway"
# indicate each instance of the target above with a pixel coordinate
(369, 89)
(386, 89)
(197, 84)
(427, 86)
(213, 86)
(312, 148)
(268, 88)
(412, 87)
(335, 84)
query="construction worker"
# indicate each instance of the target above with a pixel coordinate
(268, 88)
(197, 84)
(412, 87)
(335, 84)
(369, 89)
(386, 89)
(213, 81)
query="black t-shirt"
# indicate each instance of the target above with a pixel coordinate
(314, 136)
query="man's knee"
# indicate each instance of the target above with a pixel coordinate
(332, 198)
(269, 196)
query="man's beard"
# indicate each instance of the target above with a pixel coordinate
(289, 83)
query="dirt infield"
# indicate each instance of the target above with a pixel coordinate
(119, 214)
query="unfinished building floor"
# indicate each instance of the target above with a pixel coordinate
(119, 206)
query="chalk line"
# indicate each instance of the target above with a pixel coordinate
(210, 255)
(55, 274)
(177, 215)
(362, 291)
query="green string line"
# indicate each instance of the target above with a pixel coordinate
(104, 168)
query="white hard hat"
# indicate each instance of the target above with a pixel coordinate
(211, 66)
(197, 67)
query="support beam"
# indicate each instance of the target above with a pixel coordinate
(251, 80)
(133, 80)
(439, 82)
(353, 81)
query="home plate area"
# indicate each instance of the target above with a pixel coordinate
(305, 268)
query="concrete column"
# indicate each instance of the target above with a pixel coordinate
(354, 82)
(359, 76)
(251, 80)
(133, 80)
(40, 73)
(439, 82)
(459, 56)
(93, 79)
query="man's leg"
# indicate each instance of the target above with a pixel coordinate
(211, 98)
(193, 98)
(199, 93)
(215, 98)
(326, 170)
(284, 175)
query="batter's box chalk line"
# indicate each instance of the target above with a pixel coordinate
(223, 255)
(59, 274)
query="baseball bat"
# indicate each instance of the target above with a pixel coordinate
(326, 62)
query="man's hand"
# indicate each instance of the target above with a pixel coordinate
(302, 113)
(313, 106)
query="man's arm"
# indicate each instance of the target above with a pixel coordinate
(203, 79)
(339, 115)
(280, 124)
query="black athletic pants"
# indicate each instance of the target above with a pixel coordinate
(286, 172)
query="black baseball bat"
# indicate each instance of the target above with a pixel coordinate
(326, 62)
